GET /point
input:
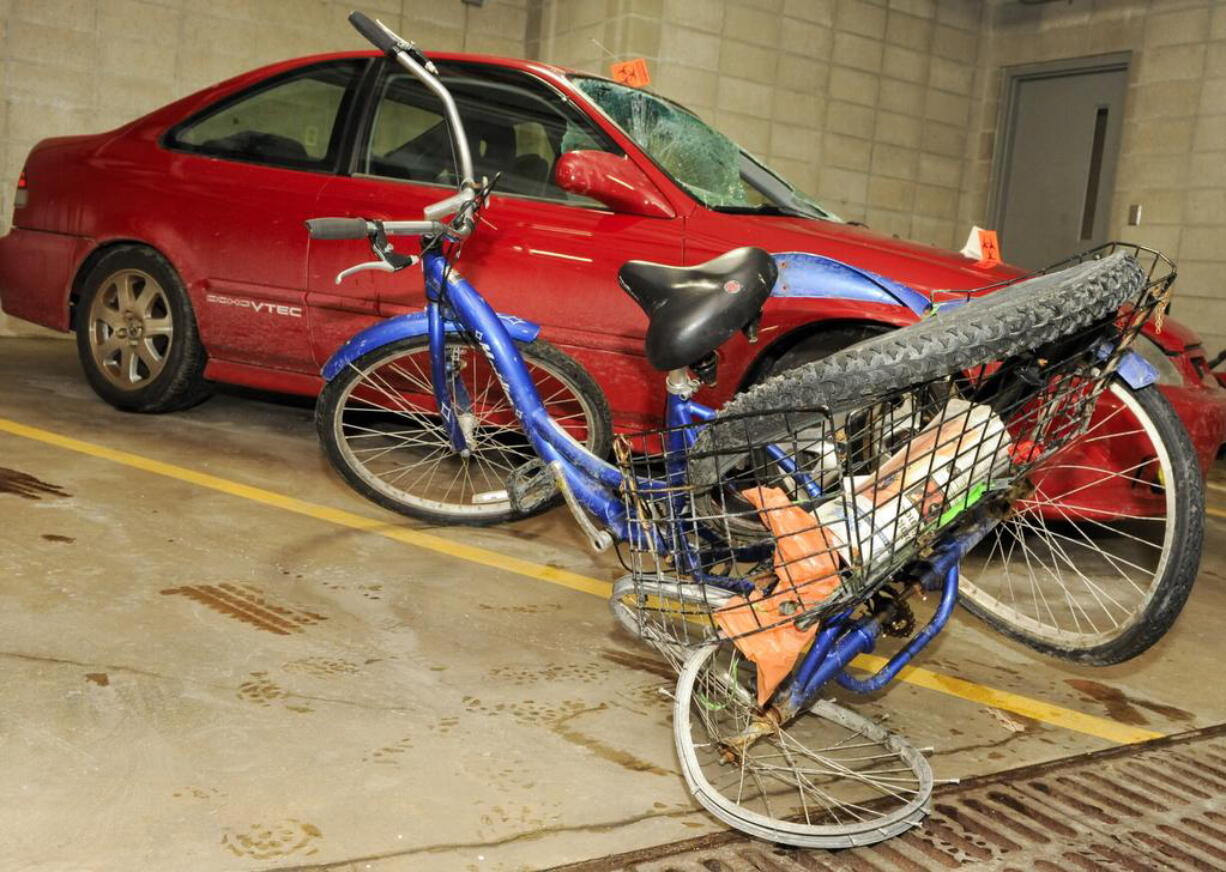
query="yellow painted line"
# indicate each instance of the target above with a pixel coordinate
(947, 684)
(1103, 728)
(354, 521)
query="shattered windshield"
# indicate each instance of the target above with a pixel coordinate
(713, 168)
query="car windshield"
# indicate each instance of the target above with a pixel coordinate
(714, 169)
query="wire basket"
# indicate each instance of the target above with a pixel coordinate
(813, 521)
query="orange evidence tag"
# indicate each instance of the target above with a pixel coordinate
(632, 73)
(990, 248)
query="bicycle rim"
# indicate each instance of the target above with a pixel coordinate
(830, 778)
(1069, 569)
(390, 434)
(672, 617)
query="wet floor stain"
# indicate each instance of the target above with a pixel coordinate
(445, 725)
(390, 755)
(510, 779)
(499, 815)
(521, 676)
(250, 605)
(639, 661)
(522, 608)
(367, 591)
(529, 712)
(56, 537)
(99, 678)
(1120, 706)
(262, 841)
(261, 690)
(322, 667)
(557, 717)
(601, 749)
(652, 698)
(28, 487)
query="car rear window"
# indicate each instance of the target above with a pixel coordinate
(291, 121)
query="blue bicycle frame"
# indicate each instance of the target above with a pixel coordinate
(595, 483)
(454, 305)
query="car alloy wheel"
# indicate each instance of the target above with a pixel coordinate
(130, 329)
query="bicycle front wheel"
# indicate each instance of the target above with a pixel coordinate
(828, 779)
(381, 429)
(1095, 566)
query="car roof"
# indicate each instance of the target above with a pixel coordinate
(185, 106)
(440, 56)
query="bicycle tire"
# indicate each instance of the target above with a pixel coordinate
(1016, 319)
(541, 356)
(1177, 563)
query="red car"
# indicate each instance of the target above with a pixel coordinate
(174, 246)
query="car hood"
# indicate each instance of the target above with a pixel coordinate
(923, 267)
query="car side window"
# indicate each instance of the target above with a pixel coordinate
(516, 125)
(293, 121)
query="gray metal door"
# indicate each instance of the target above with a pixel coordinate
(1057, 168)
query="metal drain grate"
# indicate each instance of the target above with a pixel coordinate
(1137, 808)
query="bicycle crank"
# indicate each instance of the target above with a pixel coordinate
(600, 540)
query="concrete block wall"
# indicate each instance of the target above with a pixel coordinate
(1173, 150)
(84, 66)
(863, 103)
(883, 109)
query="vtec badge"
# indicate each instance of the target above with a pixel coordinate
(256, 305)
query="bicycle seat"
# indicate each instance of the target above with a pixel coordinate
(693, 310)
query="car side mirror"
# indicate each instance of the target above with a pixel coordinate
(615, 181)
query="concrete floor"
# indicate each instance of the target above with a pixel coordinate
(202, 679)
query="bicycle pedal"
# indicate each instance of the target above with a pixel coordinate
(529, 486)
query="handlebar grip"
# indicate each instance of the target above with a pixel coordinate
(375, 34)
(338, 228)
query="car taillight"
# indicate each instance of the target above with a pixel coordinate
(23, 191)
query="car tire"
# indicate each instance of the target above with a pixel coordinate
(821, 343)
(136, 334)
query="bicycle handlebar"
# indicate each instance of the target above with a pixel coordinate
(361, 228)
(408, 56)
(376, 33)
(458, 205)
(338, 228)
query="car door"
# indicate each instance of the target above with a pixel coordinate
(403, 137)
(256, 164)
(539, 252)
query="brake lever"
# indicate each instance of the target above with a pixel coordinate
(418, 55)
(389, 261)
(378, 265)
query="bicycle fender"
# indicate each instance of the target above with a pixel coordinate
(1136, 371)
(409, 326)
(811, 275)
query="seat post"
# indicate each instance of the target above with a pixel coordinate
(680, 383)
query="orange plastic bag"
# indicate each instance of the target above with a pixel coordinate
(808, 571)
